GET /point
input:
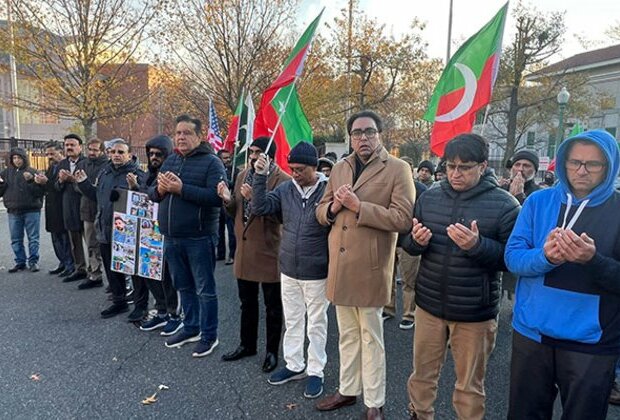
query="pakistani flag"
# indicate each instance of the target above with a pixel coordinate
(280, 114)
(466, 84)
(240, 129)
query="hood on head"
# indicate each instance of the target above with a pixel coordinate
(608, 145)
(21, 153)
(161, 142)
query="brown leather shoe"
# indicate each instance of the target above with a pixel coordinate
(374, 413)
(335, 401)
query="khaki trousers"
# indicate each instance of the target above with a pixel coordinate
(362, 353)
(471, 344)
(77, 250)
(94, 252)
(409, 266)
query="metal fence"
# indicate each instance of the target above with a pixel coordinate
(36, 152)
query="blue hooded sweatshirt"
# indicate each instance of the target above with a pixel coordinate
(572, 306)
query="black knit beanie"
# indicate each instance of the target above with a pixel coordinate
(304, 153)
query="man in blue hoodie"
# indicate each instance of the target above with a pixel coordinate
(565, 248)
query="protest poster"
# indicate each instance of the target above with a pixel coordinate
(137, 243)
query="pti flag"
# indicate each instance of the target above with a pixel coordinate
(280, 114)
(213, 134)
(466, 84)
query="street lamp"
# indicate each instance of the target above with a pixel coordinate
(562, 98)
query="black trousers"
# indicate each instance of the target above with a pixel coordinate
(248, 295)
(538, 371)
(116, 280)
(166, 297)
(226, 222)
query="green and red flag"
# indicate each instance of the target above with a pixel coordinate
(466, 84)
(280, 114)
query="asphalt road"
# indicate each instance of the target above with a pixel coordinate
(86, 367)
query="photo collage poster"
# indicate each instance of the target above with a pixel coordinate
(138, 245)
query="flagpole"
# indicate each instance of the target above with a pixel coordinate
(484, 121)
(449, 33)
(235, 149)
(275, 129)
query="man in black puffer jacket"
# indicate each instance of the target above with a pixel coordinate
(111, 179)
(189, 212)
(23, 199)
(460, 229)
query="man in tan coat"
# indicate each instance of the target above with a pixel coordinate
(368, 200)
(256, 259)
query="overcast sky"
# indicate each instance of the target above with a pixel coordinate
(586, 18)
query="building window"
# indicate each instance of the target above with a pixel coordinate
(531, 137)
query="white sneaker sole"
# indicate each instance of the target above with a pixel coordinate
(296, 377)
(176, 330)
(208, 352)
(182, 343)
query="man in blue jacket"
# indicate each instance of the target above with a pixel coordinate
(565, 248)
(303, 262)
(189, 212)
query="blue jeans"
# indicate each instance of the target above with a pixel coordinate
(192, 266)
(618, 372)
(29, 222)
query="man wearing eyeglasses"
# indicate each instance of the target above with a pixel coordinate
(460, 229)
(565, 248)
(368, 200)
(256, 258)
(105, 191)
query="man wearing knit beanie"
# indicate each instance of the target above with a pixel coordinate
(303, 268)
(426, 169)
(523, 168)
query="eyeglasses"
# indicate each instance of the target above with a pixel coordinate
(451, 167)
(156, 154)
(297, 171)
(369, 132)
(117, 152)
(592, 166)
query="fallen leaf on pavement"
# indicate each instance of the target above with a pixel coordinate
(114, 359)
(35, 377)
(150, 400)
(291, 406)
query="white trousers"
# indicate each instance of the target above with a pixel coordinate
(301, 298)
(362, 353)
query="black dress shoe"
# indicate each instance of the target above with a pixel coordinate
(57, 270)
(115, 309)
(77, 275)
(270, 363)
(89, 284)
(65, 273)
(239, 353)
(18, 267)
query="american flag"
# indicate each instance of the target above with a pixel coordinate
(213, 135)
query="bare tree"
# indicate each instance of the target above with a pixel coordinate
(78, 54)
(224, 46)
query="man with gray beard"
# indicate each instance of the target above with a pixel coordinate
(523, 168)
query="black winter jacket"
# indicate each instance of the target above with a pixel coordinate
(454, 284)
(71, 198)
(196, 212)
(53, 202)
(105, 192)
(20, 196)
(92, 167)
(303, 251)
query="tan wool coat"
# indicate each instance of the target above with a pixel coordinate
(258, 242)
(362, 247)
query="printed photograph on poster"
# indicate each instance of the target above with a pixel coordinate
(138, 204)
(124, 231)
(151, 250)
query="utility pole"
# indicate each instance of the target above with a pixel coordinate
(349, 75)
(13, 70)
